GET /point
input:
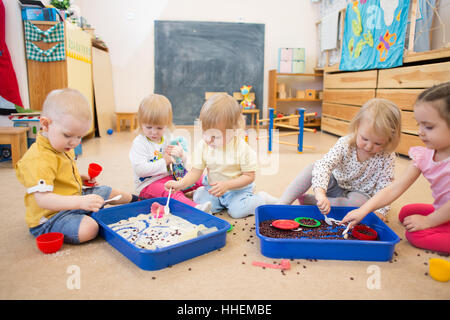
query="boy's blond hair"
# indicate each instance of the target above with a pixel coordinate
(62, 102)
(220, 110)
(155, 109)
(385, 118)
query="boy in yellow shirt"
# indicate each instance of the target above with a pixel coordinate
(55, 200)
(230, 162)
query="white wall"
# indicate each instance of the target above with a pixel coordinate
(128, 31)
(127, 27)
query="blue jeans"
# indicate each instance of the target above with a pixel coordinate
(239, 203)
(68, 221)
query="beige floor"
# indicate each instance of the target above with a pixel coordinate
(26, 273)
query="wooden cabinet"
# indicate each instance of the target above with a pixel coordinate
(73, 72)
(346, 92)
(311, 81)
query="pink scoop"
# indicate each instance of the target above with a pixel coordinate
(284, 265)
(157, 210)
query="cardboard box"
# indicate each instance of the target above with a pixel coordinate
(285, 66)
(311, 94)
(285, 54)
(40, 14)
(291, 60)
(300, 94)
(298, 66)
(298, 54)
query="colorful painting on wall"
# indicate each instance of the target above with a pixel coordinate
(374, 34)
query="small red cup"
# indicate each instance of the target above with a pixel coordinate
(50, 242)
(94, 170)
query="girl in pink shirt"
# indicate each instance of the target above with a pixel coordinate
(427, 225)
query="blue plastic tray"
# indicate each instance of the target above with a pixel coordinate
(170, 255)
(303, 248)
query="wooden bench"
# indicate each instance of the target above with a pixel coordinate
(131, 117)
(17, 138)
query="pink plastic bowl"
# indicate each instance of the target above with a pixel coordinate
(50, 242)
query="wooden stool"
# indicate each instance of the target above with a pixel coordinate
(253, 112)
(17, 138)
(126, 116)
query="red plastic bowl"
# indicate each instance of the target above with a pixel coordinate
(364, 233)
(50, 242)
(285, 224)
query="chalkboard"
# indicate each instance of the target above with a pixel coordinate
(192, 58)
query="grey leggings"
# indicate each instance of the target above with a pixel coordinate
(336, 195)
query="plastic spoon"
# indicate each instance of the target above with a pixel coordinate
(113, 199)
(166, 207)
(327, 220)
(346, 230)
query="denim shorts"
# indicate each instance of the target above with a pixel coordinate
(68, 221)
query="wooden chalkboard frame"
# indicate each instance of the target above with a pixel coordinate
(193, 57)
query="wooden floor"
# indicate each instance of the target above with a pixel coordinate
(26, 273)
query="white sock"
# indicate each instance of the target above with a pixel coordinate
(204, 206)
(268, 199)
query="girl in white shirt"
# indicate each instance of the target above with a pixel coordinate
(151, 153)
(356, 167)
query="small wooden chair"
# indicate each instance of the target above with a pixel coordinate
(17, 138)
(126, 116)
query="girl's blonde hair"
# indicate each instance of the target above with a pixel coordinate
(62, 102)
(221, 110)
(385, 118)
(439, 97)
(155, 109)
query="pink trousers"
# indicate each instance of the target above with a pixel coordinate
(435, 239)
(156, 189)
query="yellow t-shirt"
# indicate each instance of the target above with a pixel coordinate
(225, 163)
(54, 171)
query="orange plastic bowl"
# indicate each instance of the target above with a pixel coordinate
(50, 242)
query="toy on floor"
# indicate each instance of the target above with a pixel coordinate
(247, 103)
(439, 269)
(284, 265)
(50, 242)
(300, 129)
(94, 170)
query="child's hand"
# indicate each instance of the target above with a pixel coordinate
(172, 184)
(353, 217)
(86, 178)
(323, 203)
(167, 157)
(416, 222)
(218, 188)
(175, 151)
(91, 202)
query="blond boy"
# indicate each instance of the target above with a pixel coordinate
(55, 200)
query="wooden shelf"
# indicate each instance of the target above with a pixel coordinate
(301, 74)
(273, 81)
(297, 99)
